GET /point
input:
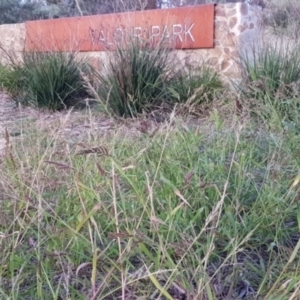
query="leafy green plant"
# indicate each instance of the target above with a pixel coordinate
(51, 80)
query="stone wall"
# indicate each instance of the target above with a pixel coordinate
(237, 26)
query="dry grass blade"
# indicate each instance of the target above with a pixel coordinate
(154, 132)
(100, 169)
(8, 148)
(59, 165)
(7, 141)
(81, 267)
(119, 235)
(187, 179)
(178, 193)
(97, 292)
(95, 150)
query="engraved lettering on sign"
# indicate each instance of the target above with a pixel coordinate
(137, 32)
(187, 31)
(168, 33)
(118, 35)
(101, 37)
(177, 30)
(155, 32)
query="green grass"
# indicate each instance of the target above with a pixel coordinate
(270, 86)
(197, 85)
(207, 209)
(135, 79)
(140, 77)
(47, 80)
(10, 79)
(206, 212)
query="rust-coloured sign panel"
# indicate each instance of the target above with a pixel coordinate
(183, 28)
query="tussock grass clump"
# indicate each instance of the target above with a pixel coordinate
(136, 78)
(10, 79)
(184, 213)
(49, 80)
(196, 86)
(271, 75)
(139, 77)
